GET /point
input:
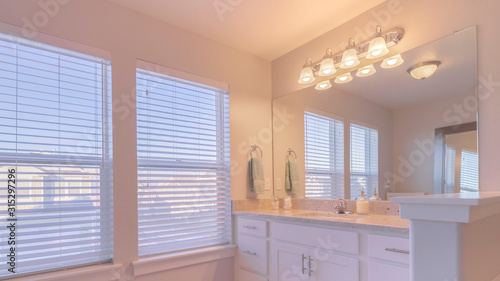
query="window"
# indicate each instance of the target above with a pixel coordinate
(56, 134)
(450, 169)
(324, 149)
(364, 160)
(469, 180)
(183, 164)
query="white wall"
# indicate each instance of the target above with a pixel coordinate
(423, 21)
(413, 149)
(129, 35)
(350, 108)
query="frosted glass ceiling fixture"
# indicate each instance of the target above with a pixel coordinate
(344, 78)
(377, 47)
(354, 54)
(366, 71)
(423, 70)
(327, 66)
(323, 85)
(391, 62)
(307, 73)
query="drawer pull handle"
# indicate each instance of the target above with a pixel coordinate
(303, 267)
(249, 227)
(310, 267)
(250, 253)
(394, 250)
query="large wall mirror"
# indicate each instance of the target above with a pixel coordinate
(388, 131)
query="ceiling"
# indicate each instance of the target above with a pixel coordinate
(396, 89)
(265, 28)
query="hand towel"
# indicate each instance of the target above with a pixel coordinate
(292, 175)
(258, 181)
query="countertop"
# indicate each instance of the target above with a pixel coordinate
(384, 223)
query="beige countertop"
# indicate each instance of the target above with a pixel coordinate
(370, 222)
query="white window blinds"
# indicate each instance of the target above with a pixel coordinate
(324, 153)
(364, 160)
(469, 178)
(450, 169)
(183, 164)
(56, 135)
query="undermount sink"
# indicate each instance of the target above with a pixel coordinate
(318, 214)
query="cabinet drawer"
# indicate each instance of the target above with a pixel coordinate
(252, 253)
(244, 275)
(253, 227)
(388, 248)
(383, 272)
(320, 238)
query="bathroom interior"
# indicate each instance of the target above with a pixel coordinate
(221, 140)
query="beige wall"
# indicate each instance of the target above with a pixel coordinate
(350, 108)
(413, 143)
(129, 35)
(423, 21)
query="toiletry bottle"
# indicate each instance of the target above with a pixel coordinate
(375, 196)
(362, 205)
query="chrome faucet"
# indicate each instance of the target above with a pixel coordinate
(340, 209)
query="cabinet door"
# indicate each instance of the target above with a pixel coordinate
(326, 266)
(288, 263)
(384, 272)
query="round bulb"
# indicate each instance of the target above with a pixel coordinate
(377, 48)
(424, 70)
(366, 71)
(323, 85)
(349, 58)
(327, 67)
(344, 78)
(306, 75)
(393, 61)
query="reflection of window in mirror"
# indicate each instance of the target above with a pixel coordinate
(364, 160)
(458, 157)
(324, 155)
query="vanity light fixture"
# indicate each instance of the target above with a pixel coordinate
(307, 73)
(323, 85)
(423, 70)
(344, 78)
(377, 47)
(393, 61)
(350, 56)
(327, 66)
(366, 71)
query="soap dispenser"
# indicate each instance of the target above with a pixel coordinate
(375, 196)
(362, 205)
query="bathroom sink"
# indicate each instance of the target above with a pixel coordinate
(328, 215)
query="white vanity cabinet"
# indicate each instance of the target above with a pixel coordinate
(273, 250)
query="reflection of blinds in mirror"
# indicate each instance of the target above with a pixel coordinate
(324, 152)
(364, 160)
(449, 185)
(469, 180)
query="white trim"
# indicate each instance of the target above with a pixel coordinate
(149, 66)
(363, 124)
(167, 262)
(324, 113)
(16, 31)
(99, 272)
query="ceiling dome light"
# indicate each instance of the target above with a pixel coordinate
(366, 71)
(327, 66)
(424, 69)
(377, 47)
(350, 56)
(391, 62)
(344, 78)
(323, 85)
(307, 74)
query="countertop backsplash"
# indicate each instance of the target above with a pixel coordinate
(376, 207)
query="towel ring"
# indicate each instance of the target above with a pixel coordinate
(254, 148)
(291, 152)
